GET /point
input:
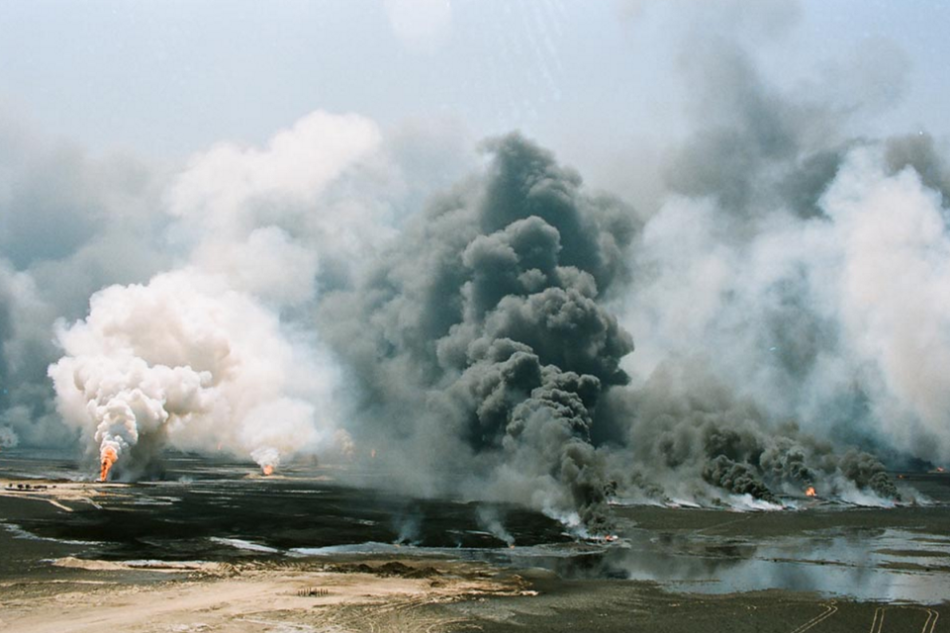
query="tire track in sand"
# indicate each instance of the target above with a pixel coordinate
(877, 624)
(830, 610)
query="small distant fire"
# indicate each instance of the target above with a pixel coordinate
(267, 469)
(941, 469)
(109, 455)
(602, 538)
(811, 492)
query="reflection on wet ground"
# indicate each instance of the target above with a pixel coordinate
(830, 563)
(215, 512)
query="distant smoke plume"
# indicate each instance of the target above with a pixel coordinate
(8, 439)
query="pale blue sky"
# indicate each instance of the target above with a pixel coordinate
(164, 79)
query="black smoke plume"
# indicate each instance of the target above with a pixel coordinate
(482, 337)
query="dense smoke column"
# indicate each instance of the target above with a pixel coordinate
(482, 336)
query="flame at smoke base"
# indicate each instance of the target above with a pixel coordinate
(268, 458)
(109, 457)
(810, 491)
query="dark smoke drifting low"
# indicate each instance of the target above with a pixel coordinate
(690, 439)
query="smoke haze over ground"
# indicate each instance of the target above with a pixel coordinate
(467, 312)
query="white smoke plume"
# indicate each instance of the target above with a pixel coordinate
(891, 242)
(187, 362)
(212, 356)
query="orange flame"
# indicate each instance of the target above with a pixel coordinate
(267, 469)
(810, 491)
(108, 459)
(941, 469)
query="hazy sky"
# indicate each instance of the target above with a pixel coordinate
(164, 79)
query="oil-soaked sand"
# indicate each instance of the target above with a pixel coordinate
(212, 550)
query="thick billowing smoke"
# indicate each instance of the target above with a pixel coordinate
(809, 277)
(215, 356)
(770, 290)
(489, 359)
(481, 342)
(788, 292)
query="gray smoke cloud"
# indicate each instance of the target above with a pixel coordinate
(790, 272)
(480, 340)
(69, 224)
(690, 438)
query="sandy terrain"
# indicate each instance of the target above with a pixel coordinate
(344, 598)
(217, 597)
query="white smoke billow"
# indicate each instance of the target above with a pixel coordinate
(189, 363)
(201, 358)
(894, 294)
